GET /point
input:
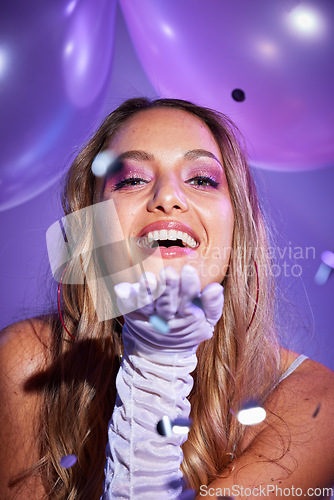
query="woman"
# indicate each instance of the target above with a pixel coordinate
(182, 165)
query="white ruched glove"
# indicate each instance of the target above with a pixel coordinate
(160, 340)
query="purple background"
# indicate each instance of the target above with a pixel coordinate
(300, 203)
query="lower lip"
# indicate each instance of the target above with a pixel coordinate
(172, 252)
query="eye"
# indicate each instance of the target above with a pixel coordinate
(204, 181)
(130, 181)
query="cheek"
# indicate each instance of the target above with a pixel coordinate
(220, 218)
(126, 210)
(219, 222)
(222, 229)
(226, 228)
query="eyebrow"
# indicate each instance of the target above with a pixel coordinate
(198, 153)
(136, 155)
(193, 154)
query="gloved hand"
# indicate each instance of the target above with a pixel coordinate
(188, 324)
(154, 380)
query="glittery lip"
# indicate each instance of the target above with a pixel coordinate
(174, 252)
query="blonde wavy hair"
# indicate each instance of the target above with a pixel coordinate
(242, 358)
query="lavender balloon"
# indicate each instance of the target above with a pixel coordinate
(55, 66)
(268, 65)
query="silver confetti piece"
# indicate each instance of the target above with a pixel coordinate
(159, 324)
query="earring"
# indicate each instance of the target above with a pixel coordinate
(257, 294)
(58, 300)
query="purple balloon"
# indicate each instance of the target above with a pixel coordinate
(55, 67)
(267, 65)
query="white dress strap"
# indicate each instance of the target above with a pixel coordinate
(298, 361)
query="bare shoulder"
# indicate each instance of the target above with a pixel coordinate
(311, 383)
(24, 351)
(24, 347)
(315, 378)
(298, 434)
(301, 411)
(294, 446)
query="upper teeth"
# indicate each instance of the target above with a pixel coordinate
(164, 234)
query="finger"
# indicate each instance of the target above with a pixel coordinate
(212, 300)
(189, 289)
(147, 287)
(126, 294)
(168, 302)
(190, 331)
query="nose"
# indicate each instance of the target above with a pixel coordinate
(167, 196)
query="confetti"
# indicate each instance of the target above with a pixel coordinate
(326, 267)
(322, 274)
(328, 258)
(251, 413)
(316, 410)
(164, 426)
(105, 163)
(181, 425)
(159, 324)
(68, 461)
(238, 95)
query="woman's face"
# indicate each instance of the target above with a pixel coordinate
(172, 189)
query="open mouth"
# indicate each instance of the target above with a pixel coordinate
(167, 238)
